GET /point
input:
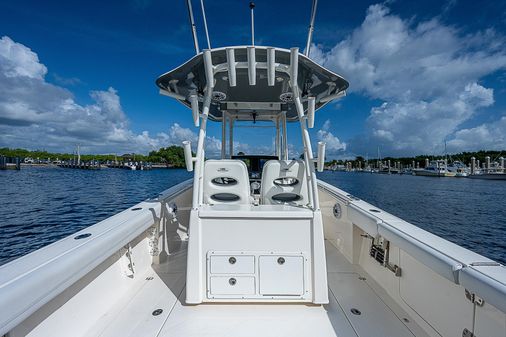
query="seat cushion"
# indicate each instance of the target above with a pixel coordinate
(284, 182)
(226, 181)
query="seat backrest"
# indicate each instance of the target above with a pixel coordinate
(284, 182)
(226, 181)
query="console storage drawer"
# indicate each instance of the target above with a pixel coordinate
(232, 285)
(232, 264)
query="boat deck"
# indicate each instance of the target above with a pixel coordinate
(164, 288)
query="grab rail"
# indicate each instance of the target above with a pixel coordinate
(28, 283)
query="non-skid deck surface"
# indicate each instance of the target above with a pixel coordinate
(166, 291)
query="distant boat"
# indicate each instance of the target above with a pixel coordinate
(459, 168)
(436, 168)
(131, 166)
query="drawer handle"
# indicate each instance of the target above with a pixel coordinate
(232, 281)
(232, 260)
(281, 260)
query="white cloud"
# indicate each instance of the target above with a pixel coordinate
(35, 114)
(488, 136)
(333, 144)
(426, 74)
(19, 61)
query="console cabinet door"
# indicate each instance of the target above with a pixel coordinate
(281, 275)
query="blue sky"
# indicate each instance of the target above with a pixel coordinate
(420, 72)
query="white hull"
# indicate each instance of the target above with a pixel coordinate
(428, 173)
(86, 288)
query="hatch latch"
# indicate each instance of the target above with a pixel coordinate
(467, 333)
(128, 264)
(475, 299)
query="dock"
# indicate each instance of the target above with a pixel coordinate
(10, 163)
(134, 166)
(92, 165)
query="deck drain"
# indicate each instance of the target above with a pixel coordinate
(355, 311)
(375, 210)
(157, 312)
(82, 236)
(405, 320)
(136, 209)
(149, 278)
(361, 278)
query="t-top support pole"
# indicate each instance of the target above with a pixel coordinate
(199, 164)
(308, 152)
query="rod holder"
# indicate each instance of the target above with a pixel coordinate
(252, 67)
(321, 156)
(271, 66)
(208, 65)
(311, 104)
(294, 66)
(188, 157)
(252, 9)
(231, 67)
(194, 101)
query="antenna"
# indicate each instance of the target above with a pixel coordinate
(252, 8)
(194, 29)
(311, 27)
(205, 23)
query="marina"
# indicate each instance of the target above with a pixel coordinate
(495, 170)
(252, 244)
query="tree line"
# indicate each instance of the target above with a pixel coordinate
(172, 156)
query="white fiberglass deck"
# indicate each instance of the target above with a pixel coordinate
(164, 288)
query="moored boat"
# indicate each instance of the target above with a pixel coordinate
(435, 168)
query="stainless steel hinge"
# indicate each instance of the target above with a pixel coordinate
(467, 333)
(128, 264)
(394, 269)
(475, 299)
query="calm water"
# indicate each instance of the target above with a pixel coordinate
(41, 205)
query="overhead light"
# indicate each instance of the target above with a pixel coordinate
(286, 97)
(219, 96)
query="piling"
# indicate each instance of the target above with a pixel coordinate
(473, 165)
(503, 169)
(426, 162)
(487, 165)
(10, 163)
